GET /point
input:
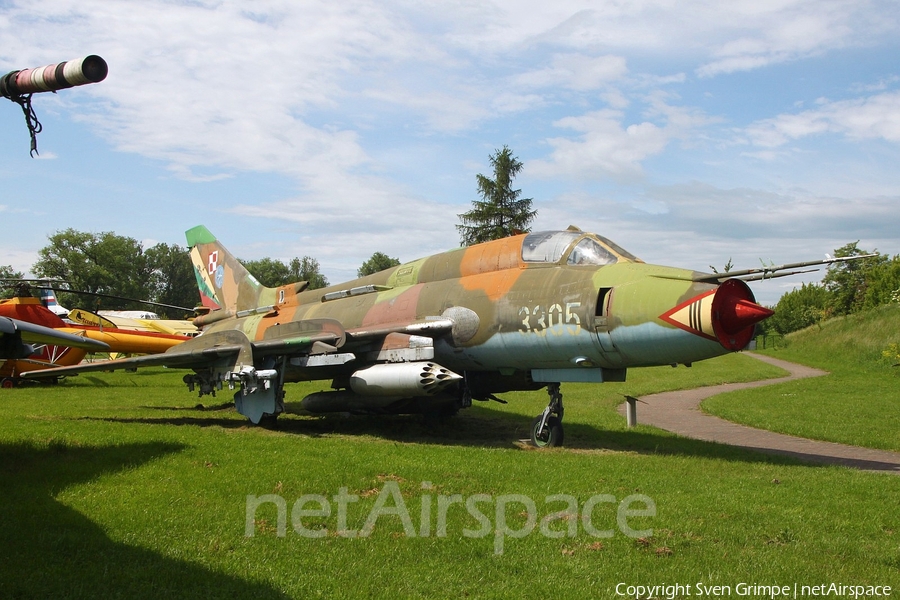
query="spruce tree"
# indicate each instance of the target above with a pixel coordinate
(500, 212)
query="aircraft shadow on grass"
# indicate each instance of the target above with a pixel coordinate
(478, 427)
(54, 551)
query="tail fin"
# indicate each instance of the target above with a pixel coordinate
(48, 299)
(223, 281)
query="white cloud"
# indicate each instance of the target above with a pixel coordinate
(443, 110)
(575, 71)
(875, 117)
(879, 86)
(343, 219)
(202, 85)
(694, 225)
(17, 258)
(759, 34)
(725, 36)
(215, 87)
(334, 99)
(606, 147)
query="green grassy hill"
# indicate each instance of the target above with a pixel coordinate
(859, 339)
(119, 485)
(858, 403)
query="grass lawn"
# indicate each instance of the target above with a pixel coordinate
(121, 486)
(857, 403)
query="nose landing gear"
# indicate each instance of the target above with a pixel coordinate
(546, 428)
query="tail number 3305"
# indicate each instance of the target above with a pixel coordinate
(538, 320)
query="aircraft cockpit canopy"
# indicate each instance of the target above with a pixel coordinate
(578, 247)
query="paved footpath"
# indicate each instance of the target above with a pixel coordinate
(679, 412)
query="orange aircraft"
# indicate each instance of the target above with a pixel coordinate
(30, 310)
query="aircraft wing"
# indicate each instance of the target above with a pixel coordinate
(230, 350)
(224, 350)
(314, 349)
(199, 356)
(38, 334)
(773, 271)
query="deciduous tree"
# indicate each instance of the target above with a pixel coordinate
(307, 269)
(274, 273)
(848, 281)
(799, 309)
(270, 272)
(884, 284)
(172, 278)
(7, 289)
(105, 263)
(378, 262)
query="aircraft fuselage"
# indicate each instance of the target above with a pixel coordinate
(540, 320)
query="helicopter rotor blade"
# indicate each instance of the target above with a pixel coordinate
(61, 282)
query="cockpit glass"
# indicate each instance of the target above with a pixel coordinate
(590, 249)
(547, 246)
(618, 249)
(589, 252)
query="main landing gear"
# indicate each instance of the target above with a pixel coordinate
(547, 429)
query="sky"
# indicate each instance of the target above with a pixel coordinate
(691, 132)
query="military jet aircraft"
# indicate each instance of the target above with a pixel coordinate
(430, 336)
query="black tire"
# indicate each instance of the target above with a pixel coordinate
(550, 436)
(8, 383)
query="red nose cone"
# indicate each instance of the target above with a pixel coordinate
(735, 312)
(744, 313)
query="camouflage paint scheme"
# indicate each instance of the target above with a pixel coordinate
(508, 314)
(523, 312)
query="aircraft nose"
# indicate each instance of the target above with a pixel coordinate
(736, 316)
(726, 315)
(735, 312)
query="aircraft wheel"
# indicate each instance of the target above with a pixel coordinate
(550, 435)
(8, 383)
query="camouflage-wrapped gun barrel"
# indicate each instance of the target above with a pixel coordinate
(90, 69)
